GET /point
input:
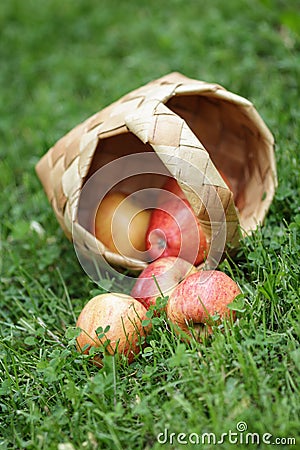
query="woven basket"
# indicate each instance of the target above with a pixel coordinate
(180, 119)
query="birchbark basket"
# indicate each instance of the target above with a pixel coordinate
(178, 118)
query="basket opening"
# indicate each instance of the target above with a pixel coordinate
(228, 135)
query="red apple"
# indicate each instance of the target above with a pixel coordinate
(171, 185)
(123, 314)
(168, 272)
(121, 224)
(200, 296)
(174, 230)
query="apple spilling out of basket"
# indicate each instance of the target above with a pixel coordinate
(174, 125)
(171, 239)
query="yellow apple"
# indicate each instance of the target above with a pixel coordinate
(121, 224)
(120, 318)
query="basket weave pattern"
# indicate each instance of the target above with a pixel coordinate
(178, 118)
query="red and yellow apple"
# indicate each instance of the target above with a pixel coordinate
(123, 314)
(171, 185)
(160, 276)
(174, 230)
(200, 296)
(121, 224)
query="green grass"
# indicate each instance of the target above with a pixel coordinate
(61, 61)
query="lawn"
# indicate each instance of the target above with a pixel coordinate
(61, 61)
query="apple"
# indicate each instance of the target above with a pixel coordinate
(171, 185)
(167, 271)
(202, 295)
(123, 314)
(174, 230)
(121, 224)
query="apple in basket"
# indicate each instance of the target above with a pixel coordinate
(160, 277)
(174, 230)
(201, 300)
(113, 322)
(121, 224)
(171, 185)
